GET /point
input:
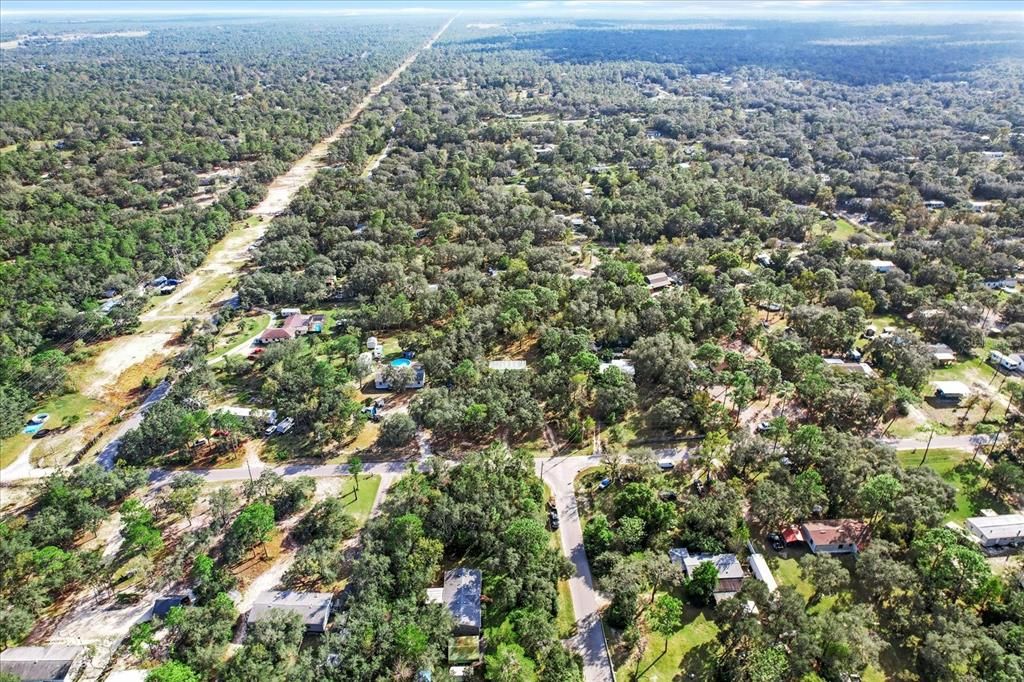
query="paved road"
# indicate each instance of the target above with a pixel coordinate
(589, 641)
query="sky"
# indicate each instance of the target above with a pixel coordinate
(923, 10)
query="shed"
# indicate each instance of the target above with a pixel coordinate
(53, 663)
(942, 354)
(759, 567)
(313, 607)
(461, 593)
(879, 265)
(953, 391)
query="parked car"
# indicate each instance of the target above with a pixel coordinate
(775, 540)
(666, 464)
(270, 430)
(553, 520)
(41, 433)
(200, 443)
(605, 482)
(763, 426)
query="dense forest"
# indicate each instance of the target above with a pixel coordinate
(125, 159)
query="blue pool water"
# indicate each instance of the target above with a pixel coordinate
(31, 429)
(401, 362)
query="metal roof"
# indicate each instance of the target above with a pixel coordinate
(31, 663)
(313, 607)
(462, 588)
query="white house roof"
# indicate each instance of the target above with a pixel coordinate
(313, 607)
(760, 569)
(880, 263)
(623, 364)
(951, 387)
(1001, 527)
(507, 365)
(727, 564)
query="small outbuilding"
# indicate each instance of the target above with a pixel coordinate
(730, 571)
(879, 265)
(951, 391)
(942, 355)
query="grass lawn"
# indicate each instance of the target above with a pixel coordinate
(659, 664)
(359, 507)
(565, 619)
(956, 468)
(237, 332)
(787, 572)
(67, 405)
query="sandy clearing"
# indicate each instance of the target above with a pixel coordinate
(122, 354)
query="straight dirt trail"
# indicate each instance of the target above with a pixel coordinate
(232, 254)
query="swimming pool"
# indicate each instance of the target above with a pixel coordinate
(401, 362)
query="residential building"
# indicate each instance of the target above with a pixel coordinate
(295, 325)
(657, 281)
(54, 663)
(730, 571)
(507, 365)
(935, 205)
(942, 355)
(461, 595)
(835, 536)
(313, 607)
(997, 529)
(841, 365)
(625, 365)
(881, 265)
(952, 391)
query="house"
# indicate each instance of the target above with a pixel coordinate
(313, 607)
(1011, 362)
(657, 281)
(942, 355)
(881, 265)
(979, 206)
(1008, 284)
(730, 571)
(288, 312)
(993, 530)
(274, 335)
(841, 365)
(163, 605)
(935, 205)
(461, 595)
(993, 154)
(836, 536)
(759, 567)
(953, 391)
(624, 364)
(507, 365)
(295, 325)
(54, 663)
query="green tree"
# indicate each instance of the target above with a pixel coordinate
(701, 585)
(251, 527)
(172, 671)
(665, 616)
(355, 467)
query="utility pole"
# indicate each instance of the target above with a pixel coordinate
(927, 445)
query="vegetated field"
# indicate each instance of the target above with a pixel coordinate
(964, 472)
(688, 652)
(60, 409)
